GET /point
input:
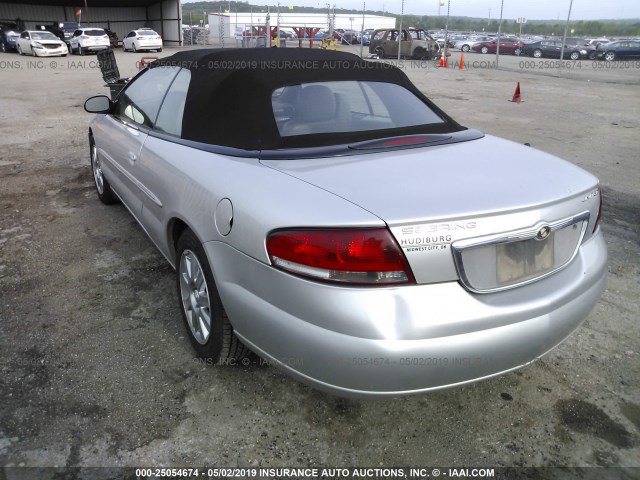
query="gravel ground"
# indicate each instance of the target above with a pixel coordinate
(97, 369)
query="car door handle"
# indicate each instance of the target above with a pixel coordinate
(132, 156)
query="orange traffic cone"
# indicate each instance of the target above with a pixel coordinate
(443, 62)
(461, 67)
(516, 96)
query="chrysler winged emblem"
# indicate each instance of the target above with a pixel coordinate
(543, 233)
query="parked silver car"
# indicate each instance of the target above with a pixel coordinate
(321, 211)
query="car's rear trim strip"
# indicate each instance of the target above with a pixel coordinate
(369, 146)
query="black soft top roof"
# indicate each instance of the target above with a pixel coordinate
(229, 98)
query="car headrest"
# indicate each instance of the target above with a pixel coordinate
(316, 103)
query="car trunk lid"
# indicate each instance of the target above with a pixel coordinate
(435, 196)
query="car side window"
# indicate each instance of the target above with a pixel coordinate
(140, 101)
(25, 35)
(172, 109)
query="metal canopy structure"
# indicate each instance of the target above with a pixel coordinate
(120, 16)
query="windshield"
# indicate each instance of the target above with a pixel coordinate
(43, 36)
(348, 106)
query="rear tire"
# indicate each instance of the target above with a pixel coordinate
(610, 56)
(537, 53)
(379, 51)
(207, 324)
(133, 48)
(465, 48)
(575, 56)
(103, 188)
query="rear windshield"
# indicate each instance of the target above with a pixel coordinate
(146, 32)
(348, 106)
(95, 33)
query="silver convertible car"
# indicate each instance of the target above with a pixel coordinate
(321, 212)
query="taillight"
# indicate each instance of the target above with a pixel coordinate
(595, 225)
(357, 256)
(84, 36)
(139, 38)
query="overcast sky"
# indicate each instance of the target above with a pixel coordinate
(533, 9)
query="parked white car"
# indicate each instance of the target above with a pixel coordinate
(86, 40)
(142, 39)
(40, 44)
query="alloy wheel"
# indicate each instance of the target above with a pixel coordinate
(195, 296)
(97, 170)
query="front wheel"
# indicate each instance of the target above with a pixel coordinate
(207, 324)
(484, 50)
(421, 54)
(575, 56)
(20, 50)
(105, 194)
(133, 48)
(537, 53)
(465, 48)
(379, 51)
(610, 56)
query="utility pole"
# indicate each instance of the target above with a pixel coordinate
(499, 32)
(364, 8)
(564, 37)
(446, 31)
(400, 32)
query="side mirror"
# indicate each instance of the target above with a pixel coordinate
(98, 104)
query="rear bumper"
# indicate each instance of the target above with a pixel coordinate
(402, 340)
(149, 46)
